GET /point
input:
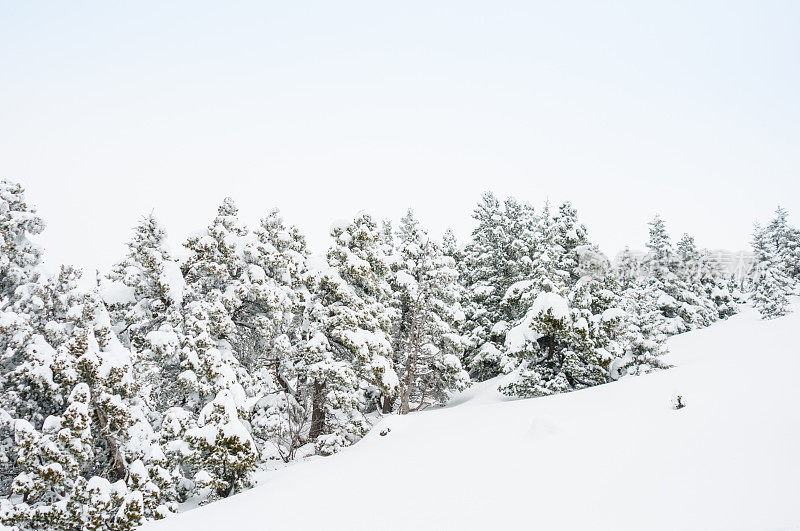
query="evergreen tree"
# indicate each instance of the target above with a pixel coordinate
(566, 339)
(426, 343)
(221, 447)
(695, 270)
(785, 241)
(769, 285)
(270, 328)
(53, 488)
(145, 285)
(213, 274)
(498, 256)
(274, 298)
(349, 330)
(26, 388)
(642, 335)
(19, 256)
(627, 269)
(675, 300)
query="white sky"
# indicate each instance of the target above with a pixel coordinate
(688, 109)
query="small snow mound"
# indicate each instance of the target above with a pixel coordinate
(551, 304)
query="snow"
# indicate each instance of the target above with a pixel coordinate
(137, 469)
(613, 313)
(163, 338)
(156, 453)
(520, 336)
(114, 356)
(80, 393)
(230, 425)
(23, 427)
(666, 301)
(202, 477)
(172, 278)
(617, 456)
(317, 263)
(389, 377)
(483, 291)
(500, 327)
(114, 292)
(52, 424)
(339, 225)
(517, 288)
(100, 488)
(550, 303)
(718, 293)
(408, 282)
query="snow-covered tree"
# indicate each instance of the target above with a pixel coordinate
(349, 324)
(26, 308)
(145, 285)
(335, 394)
(676, 300)
(52, 462)
(705, 283)
(53, 488)
(785, 241)
(222, 449)
(642, 335)
(769, 285)
(628, 269)
(498, 256)
(214, 292)
(566, 339)
(19, 256)
(273, 293)
(427, 346)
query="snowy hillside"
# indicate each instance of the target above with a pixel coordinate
(616, 456)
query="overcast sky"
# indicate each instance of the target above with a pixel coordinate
(688, 109)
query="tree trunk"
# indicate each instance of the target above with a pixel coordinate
(404, 398)
(317, 412)
(387, 404)
(408, 381)
(117, 460)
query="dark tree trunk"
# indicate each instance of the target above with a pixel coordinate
(387, 404)
(227, 491)
(317, 412)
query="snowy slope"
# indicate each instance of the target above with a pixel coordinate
(612, 457)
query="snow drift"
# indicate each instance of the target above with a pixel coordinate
(617, 456)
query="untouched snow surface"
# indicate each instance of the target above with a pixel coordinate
(611, 457)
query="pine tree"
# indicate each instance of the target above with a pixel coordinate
(452, 250)
(569, 237)
(565, 340)
(26, 388)
(221, 447)
(498, 256)
(769, 285)
(675, 301)
(335, 395)
(628, 269)
(785, 241)
(19, 257)
(642, 335)
(71, 380)
(349, 323)
(213, 274)
(53, 489)
(145, 285)
(270, 327)
(426, 343)
(270, 316)
(695, 270)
